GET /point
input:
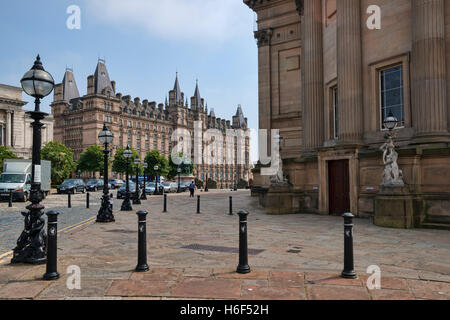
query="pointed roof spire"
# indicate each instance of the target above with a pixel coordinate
(101, 77)
(70, 89)
(212, 114)
(197, 96)
(166, 101)
(177, 90)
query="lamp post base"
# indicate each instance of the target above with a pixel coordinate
(126, 205)
(142, 268)
(51, 276)
(348, 275)
(243, 269)
(105, 214)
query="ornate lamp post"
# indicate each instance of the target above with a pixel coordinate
(179, 182)
(126, 204)
(156, 168)
(392, 175)
(30, 248)
(105, 213)
(136, 199)
(390, 122)
(144, 194)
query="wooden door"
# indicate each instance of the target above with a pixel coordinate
(338, 187)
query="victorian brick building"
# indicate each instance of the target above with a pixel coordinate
(145, 125)
(328, 81)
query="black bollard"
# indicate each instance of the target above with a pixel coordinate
(165, 203)
(142, 265)
(87, 200)
(198, 204)
(349, 272)
(10, 198)
(243, 266)
(231, 206)
(52, 248)
(69, 200)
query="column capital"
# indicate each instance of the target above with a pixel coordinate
(263, 36)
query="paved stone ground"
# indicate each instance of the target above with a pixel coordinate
(301, 258)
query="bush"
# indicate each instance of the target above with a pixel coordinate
(198, 183)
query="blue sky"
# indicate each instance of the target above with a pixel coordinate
(144, 43)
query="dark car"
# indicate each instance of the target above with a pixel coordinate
(72, 186)
(184, 186)
(94, 185)
(123, 189)
(115, 183)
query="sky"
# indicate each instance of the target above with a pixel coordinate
(144, 43)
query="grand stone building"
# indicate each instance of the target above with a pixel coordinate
(328, 81)
(143, 125)
(16, 132)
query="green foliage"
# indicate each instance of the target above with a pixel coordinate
(198, 183)
(6, 153)
(61, 158)
(153, 158)
(120, 162)
(212, 184)
(91, 160)
(186, 169)
(242, 184)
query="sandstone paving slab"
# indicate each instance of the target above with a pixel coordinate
(336, 293)
(388, 283)
(158, 274)
(89, 288)
(386, 294)
(208, 288)
(278, 278)
(429, 289)
(232, 274)
(22, 289)
(133, 288)
(321, 278)
(255, 292)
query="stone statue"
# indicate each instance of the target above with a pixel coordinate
(279, 179)
(392, 175)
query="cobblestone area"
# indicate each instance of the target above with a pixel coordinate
(301, 258)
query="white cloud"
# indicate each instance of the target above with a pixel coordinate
(177, 20)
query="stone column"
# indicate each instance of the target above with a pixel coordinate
(429, 103)
(349, 70)
(8, 128)
(312, 74)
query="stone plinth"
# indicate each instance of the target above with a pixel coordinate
(279, 200)
(396, 207)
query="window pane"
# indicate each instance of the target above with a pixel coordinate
(392, 94)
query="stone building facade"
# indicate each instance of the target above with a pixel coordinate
(328, 81)
(144, 125)
(16, 132)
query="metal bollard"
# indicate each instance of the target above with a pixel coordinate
(10, 198)
(69, 200)
(87, 200)
(243, 266)
(142, 265)
(231, 206)
(198, 204)
(165, 203)
(52, 247)
(349, 272)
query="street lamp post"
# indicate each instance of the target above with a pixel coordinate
(144, 193)
(155, 168)
(136, 199)
(126, 204)
(179, 181)
(31, 244)
(105, 214)
(206, 186)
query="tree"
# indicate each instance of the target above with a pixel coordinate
(61, 158)
(153, 158)
(91, 160)
(6, 153)
(187, 167)
(120, 163)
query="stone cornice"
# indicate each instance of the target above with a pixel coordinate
(13, 102)
(253, 4)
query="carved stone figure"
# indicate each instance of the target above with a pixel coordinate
(392, 175)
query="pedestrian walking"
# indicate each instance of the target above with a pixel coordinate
(192, 189)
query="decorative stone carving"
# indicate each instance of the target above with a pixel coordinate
(263, 36)
(392, 175)
(300, 6)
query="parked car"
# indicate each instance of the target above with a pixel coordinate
(123, 189)
(150, 188)
(184, 186)
(170, 187)
(72, 186)
(115, 183)
(95, 185)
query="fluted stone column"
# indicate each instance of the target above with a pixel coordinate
(349, 70)
(312, 74)
(429, 103)
(8, 128)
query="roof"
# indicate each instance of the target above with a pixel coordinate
(101, 78)
(177, 90)
(70, 89)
